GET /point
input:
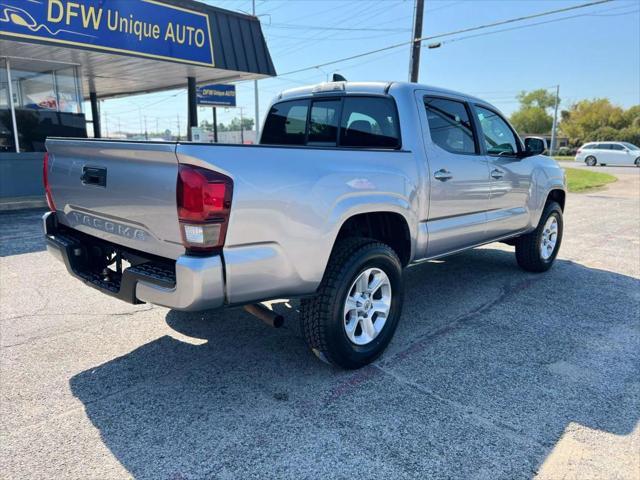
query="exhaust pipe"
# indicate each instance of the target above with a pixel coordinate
(263, 313)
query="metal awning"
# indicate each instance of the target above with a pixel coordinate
(118, 62)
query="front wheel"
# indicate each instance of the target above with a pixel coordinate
(637, 162)
(536, 251)
(355, 313)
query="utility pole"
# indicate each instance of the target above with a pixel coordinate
(554, 129)
(146, 132)
(241, 127)
(106, 123)
(178, 117)
(255, 92)
(414, 62)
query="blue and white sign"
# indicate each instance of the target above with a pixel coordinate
(147, 28)
(217, 95)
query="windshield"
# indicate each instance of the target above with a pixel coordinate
(630, 146)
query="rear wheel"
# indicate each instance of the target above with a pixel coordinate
(591, 161)
(354, 315)
(536, 251)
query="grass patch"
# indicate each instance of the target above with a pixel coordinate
(584, 180)
(561, 158)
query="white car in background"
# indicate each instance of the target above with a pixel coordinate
(608, 153)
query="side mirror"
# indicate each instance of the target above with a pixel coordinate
(534, 145)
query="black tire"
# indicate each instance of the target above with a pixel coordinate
(591, 161)
(528, 246)
(637, 162)
(323, 315)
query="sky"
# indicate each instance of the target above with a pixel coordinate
(594, 54)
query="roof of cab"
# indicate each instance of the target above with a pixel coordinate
(376, 88)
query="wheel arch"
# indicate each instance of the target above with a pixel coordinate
(387, 227)
(556, 195)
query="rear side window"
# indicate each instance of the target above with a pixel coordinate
(369, 122)
(604, 146)
(450, 125)
(286, 123)
(589, 146)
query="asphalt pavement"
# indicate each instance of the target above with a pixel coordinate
(494, 373)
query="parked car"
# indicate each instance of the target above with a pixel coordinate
(608, 153)
(352, 182)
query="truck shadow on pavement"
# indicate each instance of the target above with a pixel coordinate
(489, 367)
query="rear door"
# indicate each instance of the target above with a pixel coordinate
(122, 192)
(510, 174)
(459, 176)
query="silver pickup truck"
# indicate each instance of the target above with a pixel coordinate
(351, 183)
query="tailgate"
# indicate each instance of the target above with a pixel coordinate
(122, 192)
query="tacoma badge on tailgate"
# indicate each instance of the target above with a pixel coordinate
(109, 226)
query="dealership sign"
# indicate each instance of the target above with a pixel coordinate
(147, 28)
(217, 95)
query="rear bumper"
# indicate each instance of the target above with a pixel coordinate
(193, 283)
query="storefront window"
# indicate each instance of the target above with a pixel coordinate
(47, 103)
(36, 90)
(67, 87)
(6, 124)
(4, 87)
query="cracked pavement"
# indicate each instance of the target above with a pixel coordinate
(493, 372)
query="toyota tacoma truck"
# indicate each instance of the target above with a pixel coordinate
(350, 184)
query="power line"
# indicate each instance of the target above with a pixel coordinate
(440, 35)
(342, 29)
(569, 17)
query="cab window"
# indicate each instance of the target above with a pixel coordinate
(286, 123)
(499, 139)
(323, 123)
(450, 125)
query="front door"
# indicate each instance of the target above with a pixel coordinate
(510, 174)
(458, 176)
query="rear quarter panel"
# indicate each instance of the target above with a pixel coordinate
(289, 204)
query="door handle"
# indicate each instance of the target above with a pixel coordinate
(443, 175)
(497, 174)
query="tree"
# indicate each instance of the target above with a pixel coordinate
(532, 120)
(233, 126)
(540, 98)
(533, 115)
(592, 120)
(247, 124)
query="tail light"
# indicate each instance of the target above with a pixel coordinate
(45, 179)
(204, 204)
